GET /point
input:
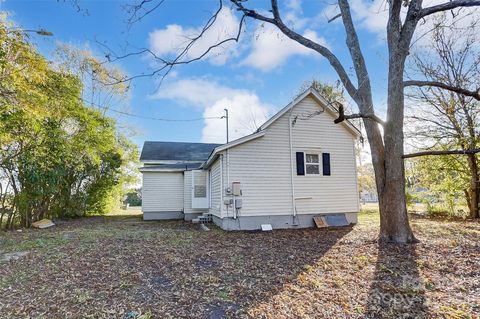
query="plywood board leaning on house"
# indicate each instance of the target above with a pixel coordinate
(320, 222)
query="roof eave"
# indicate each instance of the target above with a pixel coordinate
(143, 169)
(310, 91)
(231, 144)
(168, 161)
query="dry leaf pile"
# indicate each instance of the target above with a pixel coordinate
(103, 267)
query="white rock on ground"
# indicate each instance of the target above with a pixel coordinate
(13, 256)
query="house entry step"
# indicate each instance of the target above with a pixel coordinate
(203, 219)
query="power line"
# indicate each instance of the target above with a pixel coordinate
(106, 108)
(163, 119)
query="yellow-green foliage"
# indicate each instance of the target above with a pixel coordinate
(59, 157)
(446, 178)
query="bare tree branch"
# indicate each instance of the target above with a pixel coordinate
(168, 65)
(136, 11)
(451, 152)
(324, 51)
(342, 116)
(357, 57)
(334, 18)
(447, 6)
(474, 94)
(432, 121)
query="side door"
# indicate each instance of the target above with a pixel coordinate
(200, 189)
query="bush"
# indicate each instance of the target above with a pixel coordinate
(133, 198)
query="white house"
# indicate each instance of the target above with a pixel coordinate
(296, 166)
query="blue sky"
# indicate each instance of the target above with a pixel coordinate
(253, 78)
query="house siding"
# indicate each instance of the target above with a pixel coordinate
(216, 188)
(162, 192)
(337, 192)
(263, 167)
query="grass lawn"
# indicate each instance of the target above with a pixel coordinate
(122, 267)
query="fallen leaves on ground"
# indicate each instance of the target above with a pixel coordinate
(106, 267)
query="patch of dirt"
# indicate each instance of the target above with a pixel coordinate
(205, 264)
(13, 256)
(101, 267)
(161, 282)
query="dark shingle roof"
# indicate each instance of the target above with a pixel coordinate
(176, 151)
(185, 166)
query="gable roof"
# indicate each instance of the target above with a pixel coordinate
(261, 130)
(321, 100)
(176, 151)
(206, 153)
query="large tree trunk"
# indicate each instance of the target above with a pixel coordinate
(474, 192)
(394, 225)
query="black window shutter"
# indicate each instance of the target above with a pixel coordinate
(300, 164)
(326, 163)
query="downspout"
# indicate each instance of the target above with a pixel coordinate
(291, 164)
(356, 176)
(228, 182)
(221, 186)
(228, 170)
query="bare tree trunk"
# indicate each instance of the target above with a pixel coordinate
(10, 217)
(474, 192)
(394, 224)
(1, 218)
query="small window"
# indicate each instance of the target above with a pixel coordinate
(200, 191)
(312, 164)
(200, 184)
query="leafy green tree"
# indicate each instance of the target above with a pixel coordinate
(59, 157)
(444, 179)
(332, 93)
(134, 198)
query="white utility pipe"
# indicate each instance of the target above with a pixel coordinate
(291, 162)
(228, 170)
(234, 208)
(221, 185)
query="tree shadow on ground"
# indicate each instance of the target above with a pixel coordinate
(398, 290)
(225, 274)
(168, 269)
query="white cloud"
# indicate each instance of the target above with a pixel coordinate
(271, 48)
(197, 92)
(171, 40)
(246, 114)
(373, 17)
(294, 5)
(246, 111)
(293, 16)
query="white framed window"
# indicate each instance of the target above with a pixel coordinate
(312, 164)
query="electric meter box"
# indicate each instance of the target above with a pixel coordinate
(236, 189)
(238, 203)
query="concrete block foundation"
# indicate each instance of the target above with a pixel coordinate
(277, 222)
